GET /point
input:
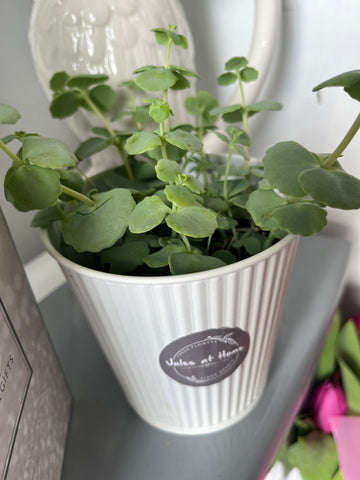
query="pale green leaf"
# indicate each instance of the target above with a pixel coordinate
(283, 164)
(156, 79)
(301, 218)
(148, 214)
(167, 170)
(8, 115)
(193, 221)
(47, 153)
(95, 228)
(183, 263)
(184, 140)
(180, 195)
(142, 142)
(261, 206)
(335, 188)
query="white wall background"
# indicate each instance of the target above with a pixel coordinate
(319, 39)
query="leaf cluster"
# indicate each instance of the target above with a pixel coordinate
(170, 207)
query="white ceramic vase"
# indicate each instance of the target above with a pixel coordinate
(191, 352)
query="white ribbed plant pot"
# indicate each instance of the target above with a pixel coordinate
(191, 352)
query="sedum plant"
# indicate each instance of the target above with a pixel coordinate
(169, 206)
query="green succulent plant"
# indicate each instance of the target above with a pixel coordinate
(170, 207)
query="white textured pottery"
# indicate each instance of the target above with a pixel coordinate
(191, 352)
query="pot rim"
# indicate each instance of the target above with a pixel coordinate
(165, 279)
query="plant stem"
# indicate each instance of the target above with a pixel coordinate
(163, 143)
(186, 242)
(8, 152)
(245, 117)
(101, 117)
(109, 128)
(77, 195)
(166, 92)
(344, 143)
(227, 170)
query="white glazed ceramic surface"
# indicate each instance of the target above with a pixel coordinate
(135, 318)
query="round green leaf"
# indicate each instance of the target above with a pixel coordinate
(184, 140)
(192, 183)
(335, 188)
(44, 218)
(159, 111)
(179, 195)
(90, 147)
(261, 206)
(58, 81)
(167, 170)
(125, 258)
(142, 142)
(156, 79)
(161, 36)
(95, 228)
(283, 164)
(183, 263)
(103, 96)
(30, 187)
(148, 214)
(161, 257)
(226, 79)
(249, 74)
(235, 63)
(65, 104)
(301, 218)
(8, 115)
(182, 82)
(47, 153)
(86, 80)
(193, 221)
(184, 71)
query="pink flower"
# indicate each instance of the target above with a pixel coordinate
(357, 323)
(327, 401)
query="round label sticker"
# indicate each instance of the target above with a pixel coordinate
(206, 357)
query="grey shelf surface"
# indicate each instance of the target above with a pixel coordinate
(108, 441)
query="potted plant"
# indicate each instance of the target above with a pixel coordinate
(180, 258)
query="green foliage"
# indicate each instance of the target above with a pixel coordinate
(183, 263)
(327, 361)
(147, 214)
(315, 456)
(348, 356)
(125, 258)
(156, 79)
(170, 206)
(349, 80)
(8, 115)
(94, 228)
(196, 222)
(47, 153)
(142, 142)
(29, 187)
(283, 164)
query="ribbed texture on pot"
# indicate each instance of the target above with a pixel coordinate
(134, 322)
